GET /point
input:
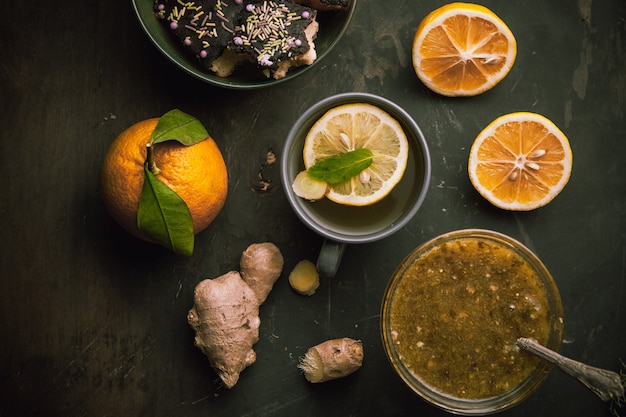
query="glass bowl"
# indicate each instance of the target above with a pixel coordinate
(451, 315)
(332, 25)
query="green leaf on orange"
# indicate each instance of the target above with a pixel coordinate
(164, 216)
(179, 126)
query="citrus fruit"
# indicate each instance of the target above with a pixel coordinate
(462, 49)
(520, 161)
(196, 173)
(354, 126)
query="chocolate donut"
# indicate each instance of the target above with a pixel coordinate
(222, 34)
(278, 34)
(204, 28)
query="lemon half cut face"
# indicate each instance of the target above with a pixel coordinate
(463, 49)
(520, 161)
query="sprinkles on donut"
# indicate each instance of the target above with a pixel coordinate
(274, 35)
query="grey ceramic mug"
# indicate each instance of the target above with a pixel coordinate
(341, 224)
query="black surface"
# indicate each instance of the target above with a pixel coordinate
(93, 321)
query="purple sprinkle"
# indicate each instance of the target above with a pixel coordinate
(250, 7)
(203, 54)
(187, 41)
(298, 42)
(174, 25)
(238, 1)
(265, 61)
(306, 14)
(161, 6)
(238, 40)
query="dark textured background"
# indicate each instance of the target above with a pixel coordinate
(93, 322)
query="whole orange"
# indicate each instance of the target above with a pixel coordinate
(196, 173)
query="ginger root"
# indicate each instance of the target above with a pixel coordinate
(332, 359)
(225, 314)
(304, 186)
(304, 278)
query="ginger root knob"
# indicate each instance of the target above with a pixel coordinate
(332, 359)
(225, 314)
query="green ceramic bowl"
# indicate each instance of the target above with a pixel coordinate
(332, 25)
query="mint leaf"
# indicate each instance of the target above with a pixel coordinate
(342, 167)
(179, 126)
(164, 216)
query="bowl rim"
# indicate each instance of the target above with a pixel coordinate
(492, 404)
(308, 119)
(192, 69)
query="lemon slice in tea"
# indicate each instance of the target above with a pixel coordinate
(355, 126)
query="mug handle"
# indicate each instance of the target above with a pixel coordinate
(330, 257)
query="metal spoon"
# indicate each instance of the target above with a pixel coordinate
(605, 384)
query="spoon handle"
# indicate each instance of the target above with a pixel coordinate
(605, 384)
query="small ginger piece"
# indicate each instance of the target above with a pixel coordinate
(305, 186)
(225, 314)
(332, 359)
(304, 278)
